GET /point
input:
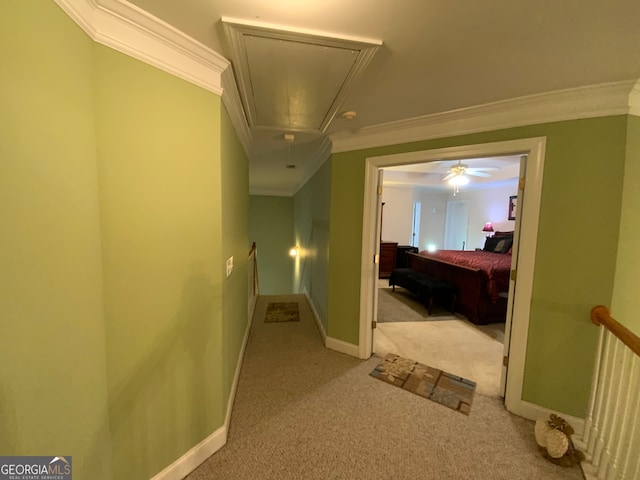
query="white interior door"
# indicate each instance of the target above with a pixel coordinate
(456, 225)
(514, 269)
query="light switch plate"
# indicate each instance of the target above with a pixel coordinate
(229, 266)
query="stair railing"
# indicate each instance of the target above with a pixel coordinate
(611, 438)
(254, 288)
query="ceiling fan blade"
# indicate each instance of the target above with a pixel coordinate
(484, 169)
(451, 175)
(477, 174)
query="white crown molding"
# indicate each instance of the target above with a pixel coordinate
(292, 33)
(634, 100)
(620, 98)
(130, 30)
(231, 100)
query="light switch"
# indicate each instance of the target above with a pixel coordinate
(229, 266)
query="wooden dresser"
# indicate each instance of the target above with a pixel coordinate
(388, 252)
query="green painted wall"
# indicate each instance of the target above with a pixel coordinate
(574, 265)
(582, 182)
(345, 245)
(160, 198)
(626, 302)
(120, 331)
(235, 243)
(271, 227)
(53, 386)
(312, 205)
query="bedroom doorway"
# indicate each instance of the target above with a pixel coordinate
(469, 342)
(524, 250)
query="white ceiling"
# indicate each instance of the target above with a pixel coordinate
(436, 56)
(430, 175)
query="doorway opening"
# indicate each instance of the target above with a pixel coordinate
(524, 247)
(438, 333)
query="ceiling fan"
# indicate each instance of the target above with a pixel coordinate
(457, 175)
(462, 169)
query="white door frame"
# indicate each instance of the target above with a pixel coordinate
(377, 240)
(534, 148)
(415, 223)
(512, 280)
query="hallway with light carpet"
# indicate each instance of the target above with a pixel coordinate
(305, 412)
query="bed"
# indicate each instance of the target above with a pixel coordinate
(480, 278)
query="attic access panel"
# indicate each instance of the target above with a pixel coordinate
(294, 84)
(293, 79)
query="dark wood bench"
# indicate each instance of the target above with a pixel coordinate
(425, 287)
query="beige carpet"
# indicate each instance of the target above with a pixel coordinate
(448, 342)
(304, 412)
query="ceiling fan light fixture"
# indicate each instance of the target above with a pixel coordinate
(458, 180)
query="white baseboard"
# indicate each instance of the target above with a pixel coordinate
(342, 347)
(191, 460)
(589, 471)
(316, 317)
(236, 376)
(252, 307)
(532, 411)
(329, 342)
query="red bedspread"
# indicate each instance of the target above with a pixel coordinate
(495, 265)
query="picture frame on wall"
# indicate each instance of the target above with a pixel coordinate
(513, 205)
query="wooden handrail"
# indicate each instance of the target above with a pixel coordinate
(255, 288)
(600, 315)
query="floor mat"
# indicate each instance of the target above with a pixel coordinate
(282, 312)
(449, 390)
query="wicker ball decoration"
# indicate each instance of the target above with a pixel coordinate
(557, 443)
(553, 436)
(540, 430)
